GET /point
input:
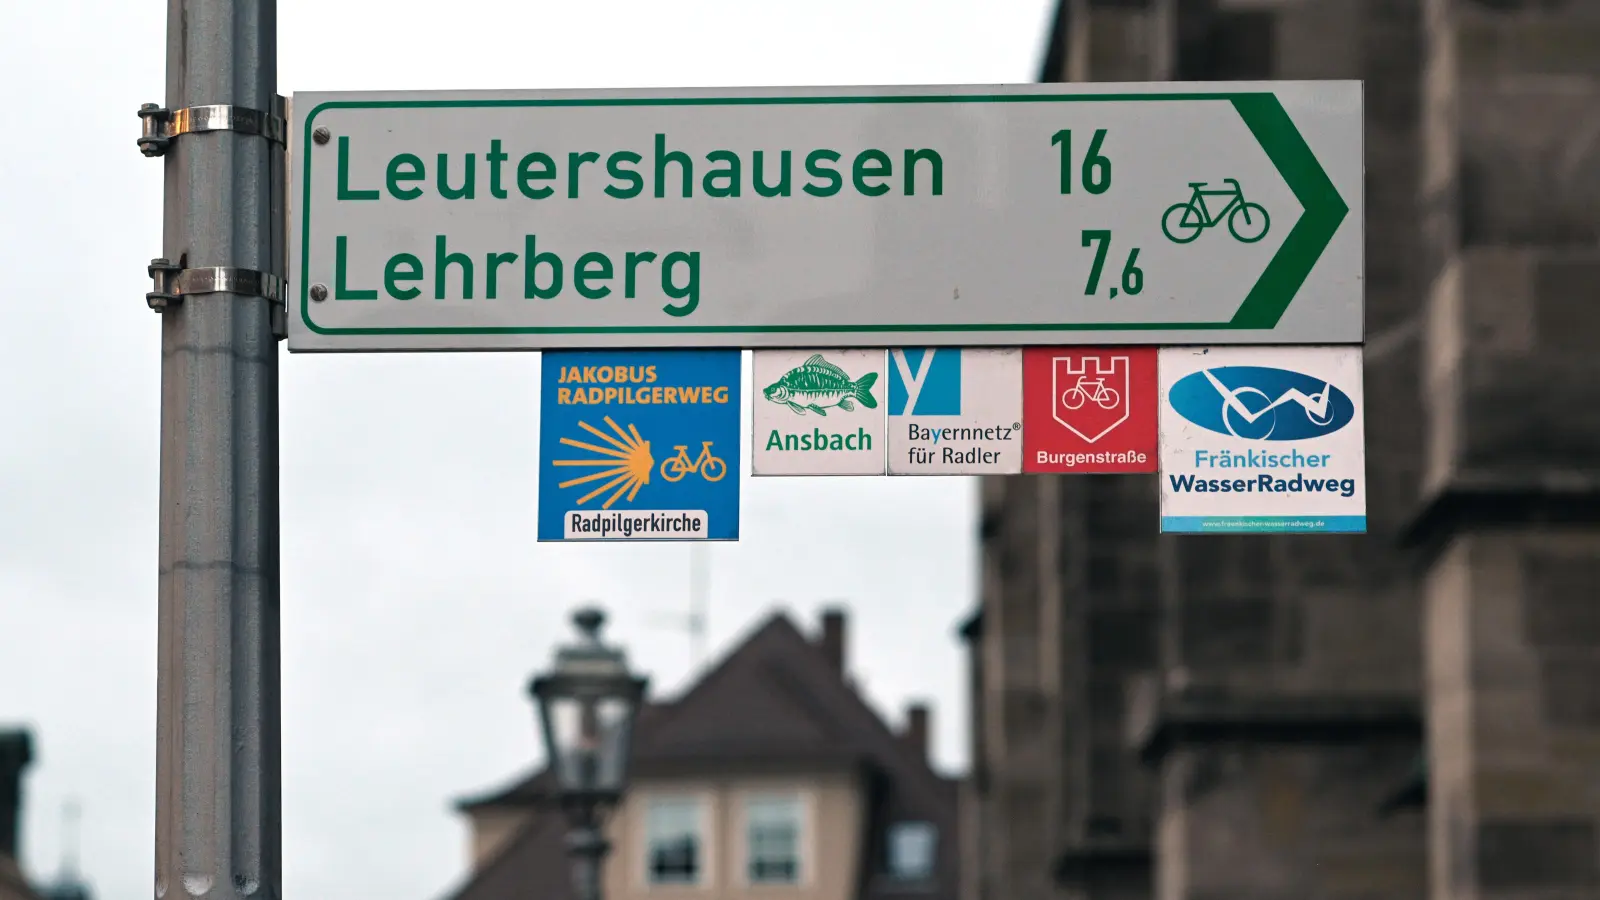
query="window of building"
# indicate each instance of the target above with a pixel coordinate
(772, 839)
(674, 840)
(911, 849)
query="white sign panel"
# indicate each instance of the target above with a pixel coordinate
(955, 411)
(817, 412)
(1259, 439)
(866, 217)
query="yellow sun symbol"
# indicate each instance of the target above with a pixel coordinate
(629, 461)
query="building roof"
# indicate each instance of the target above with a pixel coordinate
(16, 752)
(12, 885)
(775, 704)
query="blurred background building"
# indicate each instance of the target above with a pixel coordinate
(769, 776)
(16, 754)
(1412, 711)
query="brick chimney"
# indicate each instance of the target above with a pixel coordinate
(916, 728)
(16, 752)
(832, 640)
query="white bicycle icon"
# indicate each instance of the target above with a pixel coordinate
(1317, 407)
(1081, 393)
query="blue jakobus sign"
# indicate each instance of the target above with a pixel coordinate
(639, 445)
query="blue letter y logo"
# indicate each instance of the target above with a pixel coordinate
(925, 382)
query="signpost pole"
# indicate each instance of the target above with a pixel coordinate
(217, 718)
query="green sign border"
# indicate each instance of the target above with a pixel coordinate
(1272, 293)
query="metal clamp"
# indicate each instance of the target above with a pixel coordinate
(161, 125)
(173, 282)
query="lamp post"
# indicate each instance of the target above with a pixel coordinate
(587, 705)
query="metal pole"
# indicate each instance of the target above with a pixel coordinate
(217, 728)
(588, 849)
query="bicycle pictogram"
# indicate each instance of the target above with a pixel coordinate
(1247, 221)
(1263, 421)
(1088, 389)
(677, 467)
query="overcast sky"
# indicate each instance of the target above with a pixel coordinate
(415, 600)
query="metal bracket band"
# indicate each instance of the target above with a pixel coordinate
(162, 125)
(173, 283)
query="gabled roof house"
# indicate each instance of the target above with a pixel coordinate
(770, 777)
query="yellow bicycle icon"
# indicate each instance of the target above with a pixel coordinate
(678, 466)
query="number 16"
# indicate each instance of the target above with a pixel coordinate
(1096, 167)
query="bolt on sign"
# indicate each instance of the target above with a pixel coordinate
(955, 411)
(1262, 439)
(1089, 409)
(1095, 214)
(639, 445)
(817, 412)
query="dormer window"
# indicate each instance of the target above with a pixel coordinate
(911, 848)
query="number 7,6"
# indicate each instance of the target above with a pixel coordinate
(1096, 168)
(1132, 275)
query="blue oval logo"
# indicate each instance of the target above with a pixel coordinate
(1258, 403)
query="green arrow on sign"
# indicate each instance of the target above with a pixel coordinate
(1324, 210)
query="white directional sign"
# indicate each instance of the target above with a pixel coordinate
(869, 217)
(955, 411)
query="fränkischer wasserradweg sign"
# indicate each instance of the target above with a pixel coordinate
(1262, 440)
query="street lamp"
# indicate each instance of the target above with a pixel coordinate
(587, 706)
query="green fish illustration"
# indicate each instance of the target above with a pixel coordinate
(817, 384)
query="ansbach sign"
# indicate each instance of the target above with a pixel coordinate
(817, 413)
